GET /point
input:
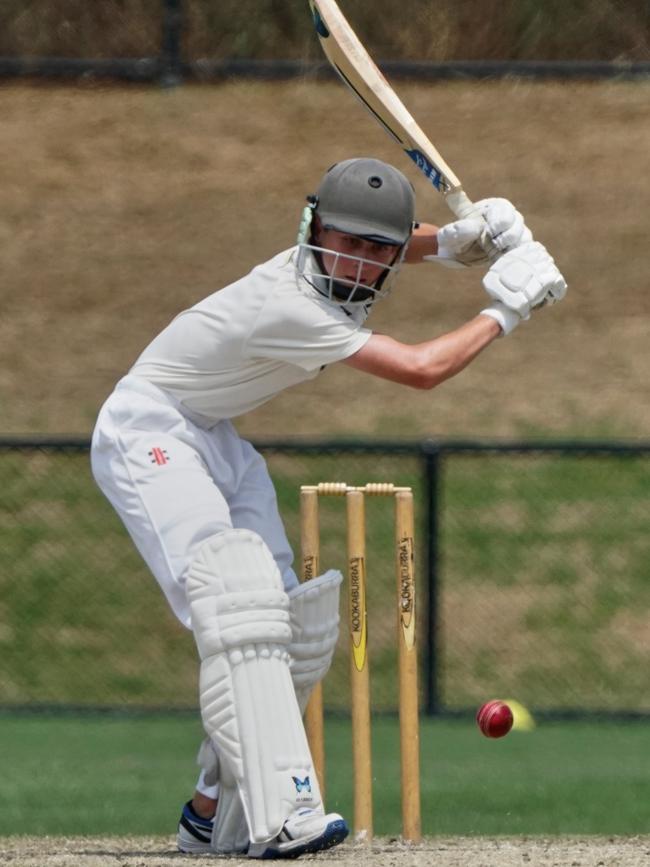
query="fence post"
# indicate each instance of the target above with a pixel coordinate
(431, 472)
(170, 54)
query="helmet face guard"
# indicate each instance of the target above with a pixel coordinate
(365, 198)
(349, 292)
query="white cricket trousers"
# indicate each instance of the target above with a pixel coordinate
(175, 484)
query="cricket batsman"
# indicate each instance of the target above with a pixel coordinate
(199, 504)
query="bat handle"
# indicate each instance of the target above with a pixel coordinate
(460, 204)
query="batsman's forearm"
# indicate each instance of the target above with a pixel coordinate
(445, 356)
(424, 242)
(425, 365)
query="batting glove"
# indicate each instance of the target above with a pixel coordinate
(497, 227)
(525, 278)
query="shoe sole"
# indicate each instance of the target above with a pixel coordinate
(188, 847)
(335, 833)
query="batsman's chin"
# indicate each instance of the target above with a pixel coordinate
(354, 293)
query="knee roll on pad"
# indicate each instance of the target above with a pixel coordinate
(236, 594)
(240, 617)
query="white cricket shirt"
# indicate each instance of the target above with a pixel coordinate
(249, 341)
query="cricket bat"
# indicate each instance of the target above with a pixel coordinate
(358, 70)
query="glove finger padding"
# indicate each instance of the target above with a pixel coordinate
(525, 278)
(556, 292)
(505, 225)
(495, 227)
(459, 243)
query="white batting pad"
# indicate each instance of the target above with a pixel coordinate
(314, 608)
(240, 617)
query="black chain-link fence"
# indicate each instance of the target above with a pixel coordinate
(533, 567)
(174, 40)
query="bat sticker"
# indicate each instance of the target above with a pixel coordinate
(428, 169)
(319, 24)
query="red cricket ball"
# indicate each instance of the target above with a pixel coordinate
(494, 719)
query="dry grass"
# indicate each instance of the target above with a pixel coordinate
(444, 30)
(122, 206)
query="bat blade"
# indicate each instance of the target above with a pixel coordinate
(359, 72)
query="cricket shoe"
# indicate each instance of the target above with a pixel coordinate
(194, 833)
(305, 831)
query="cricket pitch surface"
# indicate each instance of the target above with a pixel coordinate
(383, 852)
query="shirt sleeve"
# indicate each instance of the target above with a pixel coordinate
(305, 332)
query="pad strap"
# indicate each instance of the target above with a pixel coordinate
(229, 828)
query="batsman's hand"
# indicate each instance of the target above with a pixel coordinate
(497, 228)
(523, 279)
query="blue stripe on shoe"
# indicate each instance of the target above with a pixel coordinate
(334, 833)
(198, 827)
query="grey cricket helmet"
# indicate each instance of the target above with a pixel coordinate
(369, 198)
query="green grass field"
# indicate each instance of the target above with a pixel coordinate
(94, 775)
(543, 592)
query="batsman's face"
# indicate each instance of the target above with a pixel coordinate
(354, 259)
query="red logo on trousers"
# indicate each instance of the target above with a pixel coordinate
(159, 456)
